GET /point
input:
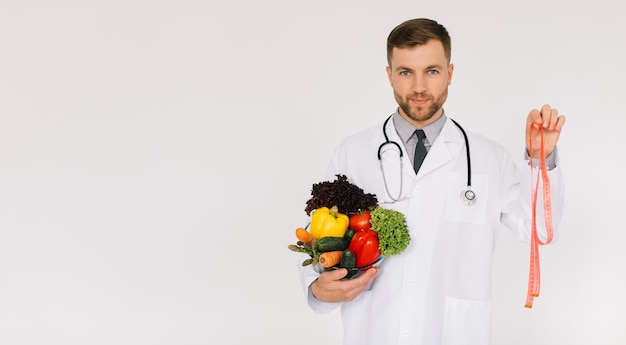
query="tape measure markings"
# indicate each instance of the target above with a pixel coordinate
(534, 274)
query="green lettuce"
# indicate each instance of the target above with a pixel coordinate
(393, 233)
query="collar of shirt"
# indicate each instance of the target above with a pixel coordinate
(406, 131)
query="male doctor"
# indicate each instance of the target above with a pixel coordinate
(438, 291)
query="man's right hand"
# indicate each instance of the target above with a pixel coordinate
(330, 288)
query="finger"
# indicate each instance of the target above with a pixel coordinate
(370, 274)
(334, 274)
(534, 117)
(366, 277)
(554, 116)
(550, 117)
(546, 115)
(560, 122)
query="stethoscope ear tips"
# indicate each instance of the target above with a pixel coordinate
(468, 197)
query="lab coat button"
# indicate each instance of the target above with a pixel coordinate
(405, 333)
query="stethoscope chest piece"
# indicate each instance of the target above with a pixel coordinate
(468, 197)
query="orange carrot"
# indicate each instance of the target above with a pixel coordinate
(304, 235)
(329, 259)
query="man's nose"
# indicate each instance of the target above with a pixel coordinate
(419, 84)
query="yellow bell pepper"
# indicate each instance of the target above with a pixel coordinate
(328, 222)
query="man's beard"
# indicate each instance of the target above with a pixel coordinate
(421, 114)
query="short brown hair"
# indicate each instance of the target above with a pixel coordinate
(415, 32)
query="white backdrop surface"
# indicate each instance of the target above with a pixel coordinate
(156, 156)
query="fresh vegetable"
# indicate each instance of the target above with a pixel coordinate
(331, 243)
(348, 260)
(348, 228)
(348, 235)
(328, 222)
(307, 248)
(348, 197)
(360, 221)
(393, 233)
(303, 235)
(330, 259)
(364, 245)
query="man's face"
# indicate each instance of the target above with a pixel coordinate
(420, 77)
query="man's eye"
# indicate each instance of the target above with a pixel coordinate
(405, 73)
(433, 71)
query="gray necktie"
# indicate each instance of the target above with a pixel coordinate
(420, 150)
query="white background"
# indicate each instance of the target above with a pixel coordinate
(156, 156)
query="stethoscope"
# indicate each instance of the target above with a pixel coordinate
(468, 197)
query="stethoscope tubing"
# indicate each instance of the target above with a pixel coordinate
(387, 141)
(467, 153)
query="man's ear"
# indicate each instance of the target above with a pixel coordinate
(450, 72)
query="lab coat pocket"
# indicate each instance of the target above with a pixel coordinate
(466, 322)
(456, 209)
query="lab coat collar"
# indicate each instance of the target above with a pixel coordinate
(446, 148)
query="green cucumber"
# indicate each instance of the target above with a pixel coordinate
(348, 260)
(330, 244)
(348, 235)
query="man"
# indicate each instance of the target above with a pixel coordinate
(438, 291)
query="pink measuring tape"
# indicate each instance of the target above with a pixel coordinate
(534, 276)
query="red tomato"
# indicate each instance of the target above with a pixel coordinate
(360, 221)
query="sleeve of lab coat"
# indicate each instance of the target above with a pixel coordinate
(308, 275)
(517, 212)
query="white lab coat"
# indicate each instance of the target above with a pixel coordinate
(439, 290)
